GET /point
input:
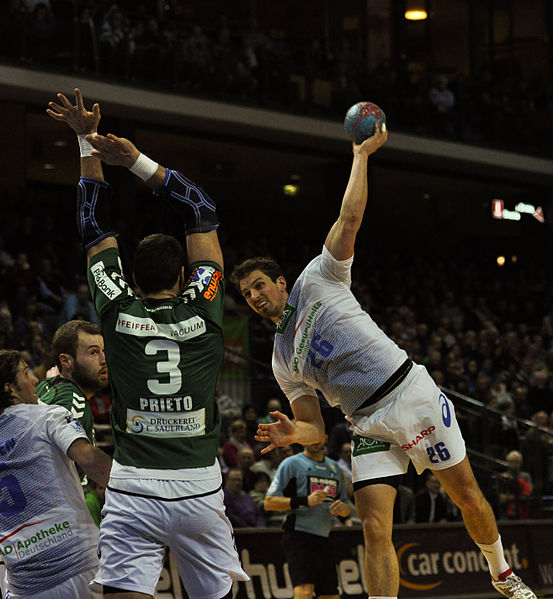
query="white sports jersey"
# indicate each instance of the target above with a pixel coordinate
(46, 532)
(326, 341)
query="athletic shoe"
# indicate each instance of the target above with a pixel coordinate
(513, 587)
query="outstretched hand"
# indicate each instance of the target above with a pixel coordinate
(114, 150)
(81, 120)
(371, 144)
(278, 434)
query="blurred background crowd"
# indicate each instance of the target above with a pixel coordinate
(250, 56)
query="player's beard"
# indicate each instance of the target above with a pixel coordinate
(88, 380)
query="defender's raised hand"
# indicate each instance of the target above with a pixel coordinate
(81, 120)
(114, 150)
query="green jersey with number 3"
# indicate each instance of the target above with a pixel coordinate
(164, 357)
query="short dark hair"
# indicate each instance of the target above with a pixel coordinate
(66, 338)
(265, 264)
(158, 260)
(9, 364)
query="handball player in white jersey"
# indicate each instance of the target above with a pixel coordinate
(48, 540)
(325, 342)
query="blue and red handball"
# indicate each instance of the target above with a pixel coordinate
(361, 120)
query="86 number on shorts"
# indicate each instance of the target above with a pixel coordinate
(438, 453)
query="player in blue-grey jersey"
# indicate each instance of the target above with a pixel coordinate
(326, 342)
(310, 487)
(48, 540)
(164, 350)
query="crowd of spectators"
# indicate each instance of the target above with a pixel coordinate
(159, 45)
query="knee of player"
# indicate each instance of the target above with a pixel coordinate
(469, 499)
(377, 527)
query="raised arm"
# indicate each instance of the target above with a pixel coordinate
(193, 204)
(93, 193)
(340, 241)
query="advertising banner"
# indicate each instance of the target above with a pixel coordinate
(438, 560)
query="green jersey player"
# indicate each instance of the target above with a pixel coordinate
(78, 349)
(164, 348)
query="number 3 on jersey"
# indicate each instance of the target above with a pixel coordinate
(319, 347)
(169, 366)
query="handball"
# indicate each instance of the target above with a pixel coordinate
(361, 120)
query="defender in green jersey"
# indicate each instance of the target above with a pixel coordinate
(164, 348)
(78, 349)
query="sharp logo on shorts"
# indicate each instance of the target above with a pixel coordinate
(146, 327)
(363, 445)
(424, 433)
(211, 292)
(446, 411)
(103, 281)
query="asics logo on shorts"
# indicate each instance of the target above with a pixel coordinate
(425, 433)
(446, 411)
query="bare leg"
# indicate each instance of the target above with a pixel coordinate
(460, 484)
(375, 505)
(304, 591)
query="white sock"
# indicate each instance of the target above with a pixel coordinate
(380, 597)
(495, 558)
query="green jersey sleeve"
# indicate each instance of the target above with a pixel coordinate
(108, 286)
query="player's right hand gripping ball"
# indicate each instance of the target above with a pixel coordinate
(361, 119)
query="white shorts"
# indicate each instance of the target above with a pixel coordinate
(416, 422)
(78, 586)
(135, 532)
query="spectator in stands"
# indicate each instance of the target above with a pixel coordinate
(430, 504)
(113, 40)
(241, 509)
(249, 416)
(404, 507)
(339, 435)
(273, 404)
(245, 461)
(237, 441)
(269, 463)
(515, 490)
(344, 458)
(261, 484)
(78, 303)
(540, 391)
(41, 33)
